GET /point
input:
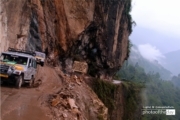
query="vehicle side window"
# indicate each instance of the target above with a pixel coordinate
(34, 63)
(35, 66)
(30, 62)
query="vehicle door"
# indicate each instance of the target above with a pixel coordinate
(29, 69)
(34, 70)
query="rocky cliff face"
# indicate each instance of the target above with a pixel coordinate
(95, 31)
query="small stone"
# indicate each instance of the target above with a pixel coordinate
(75, 77)
(64, 115)
(72, 103)
(78, 82)
(55, 102)
(76, 111)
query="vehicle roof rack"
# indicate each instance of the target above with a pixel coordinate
(22, 51)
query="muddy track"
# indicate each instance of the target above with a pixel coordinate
(28, 103)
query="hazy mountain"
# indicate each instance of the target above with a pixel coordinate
(160, 40)
(172, 62)
(136, 58)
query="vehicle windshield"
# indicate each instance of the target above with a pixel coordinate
(14, 59)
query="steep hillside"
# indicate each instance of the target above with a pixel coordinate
(123, 99)
(95, 31)
(137, 59)
(155, 91)
(172, 61)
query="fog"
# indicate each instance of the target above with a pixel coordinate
(157, 23)
(150, 52)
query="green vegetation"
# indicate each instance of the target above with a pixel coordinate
(105, 91)
(129, 49)
(157, 92)
(136, 58)
(117, 97)
(126, 12)
(176, 80)
(132, 100)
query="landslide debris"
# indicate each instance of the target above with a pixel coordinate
(76, 101)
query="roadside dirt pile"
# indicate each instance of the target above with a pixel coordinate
(76, 101)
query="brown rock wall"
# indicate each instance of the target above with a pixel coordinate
(95, 31)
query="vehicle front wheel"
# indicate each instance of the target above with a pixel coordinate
(19, 81)
(42, 64)
(31, 82)
(1, 82)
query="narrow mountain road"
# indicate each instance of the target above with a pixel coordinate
(116, 81)
(27, 103)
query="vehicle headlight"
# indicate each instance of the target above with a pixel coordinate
(17, 72)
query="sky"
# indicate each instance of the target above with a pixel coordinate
(158, 27)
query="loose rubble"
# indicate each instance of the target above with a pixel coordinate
(72, 103)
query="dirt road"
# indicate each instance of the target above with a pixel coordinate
(59, 97)
(116, 81)
(28, 103)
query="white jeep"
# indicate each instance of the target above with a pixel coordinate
(18, 67)
(40, 57)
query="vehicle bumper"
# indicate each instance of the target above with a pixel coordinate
(3, 75)
(8, 78)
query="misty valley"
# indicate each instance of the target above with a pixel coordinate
(161, 87)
